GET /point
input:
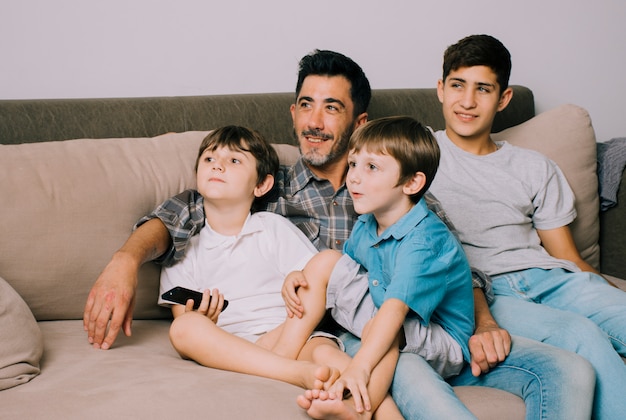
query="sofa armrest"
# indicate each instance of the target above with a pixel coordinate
(613, 236)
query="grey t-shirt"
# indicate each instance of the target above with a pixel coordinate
(499, 200)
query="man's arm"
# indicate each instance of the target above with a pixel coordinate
(112, 297)
(163, 234)
(490, 344)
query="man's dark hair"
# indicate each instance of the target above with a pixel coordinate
(479, 50)
(330, 63)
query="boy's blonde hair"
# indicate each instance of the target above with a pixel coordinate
(404, 139)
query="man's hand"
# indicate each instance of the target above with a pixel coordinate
(112, 298)
(110, 302)
(489, 346)
(292, 283)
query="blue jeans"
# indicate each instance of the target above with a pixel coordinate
(579, 312)
(553, 383)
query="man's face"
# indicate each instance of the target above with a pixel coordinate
(471, 98)
(323, 119)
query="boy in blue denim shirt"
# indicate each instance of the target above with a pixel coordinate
(403, 255)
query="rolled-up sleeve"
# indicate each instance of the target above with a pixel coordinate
(183, 216)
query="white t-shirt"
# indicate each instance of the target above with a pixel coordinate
(248, 269)
(497, 201)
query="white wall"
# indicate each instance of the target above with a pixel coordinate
(566, 51)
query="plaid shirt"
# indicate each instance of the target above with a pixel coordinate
(324, 215)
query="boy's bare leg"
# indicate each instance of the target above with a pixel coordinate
(196, 337)
(295, 331)
(321, 405)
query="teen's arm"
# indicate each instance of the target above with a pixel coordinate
(560, 244)
(112, 298)
(490, 344)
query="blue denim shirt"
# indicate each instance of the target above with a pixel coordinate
(418, 261)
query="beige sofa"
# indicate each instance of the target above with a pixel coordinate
(74, 177)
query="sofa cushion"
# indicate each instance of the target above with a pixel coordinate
(68, 205)
(22, 343)
(73, 203)
(566, 136)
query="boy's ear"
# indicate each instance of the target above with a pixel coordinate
(262, 188)
(505, 98)
(415, 184)
(440, 90)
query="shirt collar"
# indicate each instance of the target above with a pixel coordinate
(211, 239)
(399, 229)
(304, 175)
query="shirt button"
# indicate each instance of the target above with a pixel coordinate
(374, 283)
(337, 242)
(335, 203)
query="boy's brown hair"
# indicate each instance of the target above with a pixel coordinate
(404, 139)
(243, 139)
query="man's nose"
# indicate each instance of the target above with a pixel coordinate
(316, 119)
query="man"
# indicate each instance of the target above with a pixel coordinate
(332, 96)
(511, 208)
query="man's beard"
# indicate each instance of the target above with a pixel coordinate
(338, 150)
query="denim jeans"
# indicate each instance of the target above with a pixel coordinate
(579, 312)
(553, 383)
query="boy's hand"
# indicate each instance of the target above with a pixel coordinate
(489, 346)
(211, 305)
(293, 304)
(355, 380)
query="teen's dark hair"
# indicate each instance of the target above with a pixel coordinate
(330, 63)
(479, 50)
(246, 140)
(407, 141)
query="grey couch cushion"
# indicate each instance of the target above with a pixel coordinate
(21, 343)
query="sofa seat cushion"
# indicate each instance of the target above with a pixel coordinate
(140, 378)
(21, 343)
(565, 134)
(143, 377)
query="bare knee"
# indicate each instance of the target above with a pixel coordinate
(323, 263)
(184, 329)
(323, 349)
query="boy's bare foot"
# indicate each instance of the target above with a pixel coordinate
(320, 404)
(323, 377)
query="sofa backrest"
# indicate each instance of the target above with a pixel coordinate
(26, 121)
(68, 205)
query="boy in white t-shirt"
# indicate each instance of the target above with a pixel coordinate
(246, 256)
